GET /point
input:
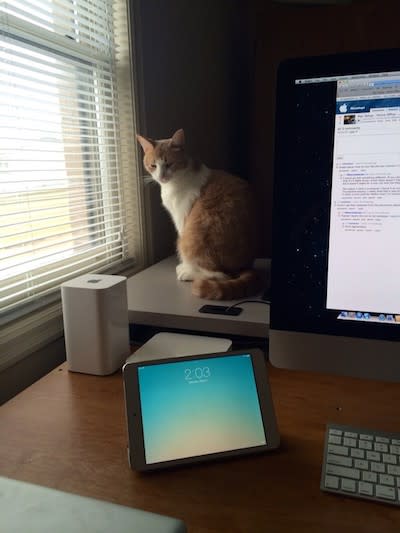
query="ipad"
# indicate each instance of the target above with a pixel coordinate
(197, 408)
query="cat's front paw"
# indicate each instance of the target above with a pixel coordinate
(184, 272)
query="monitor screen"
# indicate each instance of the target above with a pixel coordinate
(337, 196)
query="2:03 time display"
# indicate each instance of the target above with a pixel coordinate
(199, 373)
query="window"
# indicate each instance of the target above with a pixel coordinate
(69, 197)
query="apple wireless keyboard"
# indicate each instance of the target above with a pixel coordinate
(362, 463)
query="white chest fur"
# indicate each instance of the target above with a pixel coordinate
(179, 194)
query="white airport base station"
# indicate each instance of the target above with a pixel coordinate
(96, 328)
(157, 299)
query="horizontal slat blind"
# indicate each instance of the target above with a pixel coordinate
(87, 22)
(69, 198)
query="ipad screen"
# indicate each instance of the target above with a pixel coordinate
(198, 407)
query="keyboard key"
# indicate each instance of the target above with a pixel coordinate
(384, 479)
(359, 454)
(378, 467)
(396, 441)
(394, 448)
(334, 439)
(339, 450)
(373, 456)
(351, 434)
(388, 458)
(379, 447)
(331, 482)
(365, 445)
(347, 441)
(333, 431)
(348, 485)
(339, 460)
(398, 481)
(342, 471)
(361, 464)
(366, 437)
(388, 493)
(370, 477)
(393, 470)
(365, 488)
(385, 440)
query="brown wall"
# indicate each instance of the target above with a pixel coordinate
(282, 31)
(194, 71)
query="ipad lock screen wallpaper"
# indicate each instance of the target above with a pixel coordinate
(199, 407)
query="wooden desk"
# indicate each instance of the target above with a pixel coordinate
(67, 431)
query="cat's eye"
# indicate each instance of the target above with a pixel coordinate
(153, 166)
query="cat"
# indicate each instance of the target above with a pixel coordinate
(214, 214)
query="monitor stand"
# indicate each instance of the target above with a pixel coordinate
(157, 300)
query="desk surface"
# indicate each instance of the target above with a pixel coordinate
(67, 431)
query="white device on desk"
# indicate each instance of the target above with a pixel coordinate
(195, 408)
(165, 345)
(362, 463)
(96, 328)
(28, 508)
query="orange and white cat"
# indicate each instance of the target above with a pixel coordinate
(215, 216)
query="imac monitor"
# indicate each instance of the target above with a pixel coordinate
(335, 280)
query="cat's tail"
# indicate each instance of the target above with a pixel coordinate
(248, 283)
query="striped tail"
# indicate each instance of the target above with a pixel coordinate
(248, 283)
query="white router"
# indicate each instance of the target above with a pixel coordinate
(96, 328)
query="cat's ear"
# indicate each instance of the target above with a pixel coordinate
(146, 144)
(178, 140)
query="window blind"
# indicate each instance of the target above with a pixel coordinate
(70, 202)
